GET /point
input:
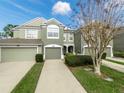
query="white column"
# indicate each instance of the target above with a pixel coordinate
(62, 56)
(37, 49)
(66, 48)
(83, 50)
(0, 54)
(111, 51)
(73, 49)
(44, 53)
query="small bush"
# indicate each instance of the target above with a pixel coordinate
(39, 57)
(78, 60)
(104, 55)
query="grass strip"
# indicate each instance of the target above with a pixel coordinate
(118, 62)
(29, 82)
(95, 84)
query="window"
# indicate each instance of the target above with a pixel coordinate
(31, 34)
(71, 37)
(53, 32)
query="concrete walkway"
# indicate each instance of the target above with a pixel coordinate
(115, 66)
(57, 78)
(11, 73)
(116, 59)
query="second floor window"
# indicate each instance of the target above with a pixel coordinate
(31, 34)
(53, 32)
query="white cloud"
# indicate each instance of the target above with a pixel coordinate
(62, 8)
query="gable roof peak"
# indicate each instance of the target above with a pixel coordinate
(38, 19)
(54, 19)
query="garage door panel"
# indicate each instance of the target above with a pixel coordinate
(18, 54)
(53, 53)
(107, 50)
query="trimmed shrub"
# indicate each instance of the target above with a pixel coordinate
(78, 60)
(39, 58)
(104, 55)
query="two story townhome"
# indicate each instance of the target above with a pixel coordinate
(48, 37)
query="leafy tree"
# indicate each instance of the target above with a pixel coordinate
(98, 21)
(8, 29)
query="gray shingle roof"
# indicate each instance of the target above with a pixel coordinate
(17, 41)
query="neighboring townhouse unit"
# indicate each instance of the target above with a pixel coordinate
(48, 37)
(39, 35)
(68, 44)
(118, 42)
(82, 48)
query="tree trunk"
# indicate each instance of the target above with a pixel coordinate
(97, 70)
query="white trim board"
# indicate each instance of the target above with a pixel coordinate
(37, 48)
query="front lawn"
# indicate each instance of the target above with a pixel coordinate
(95, 84)
(121, 63)
(29, 81)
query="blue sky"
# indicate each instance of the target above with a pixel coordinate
(19, 11)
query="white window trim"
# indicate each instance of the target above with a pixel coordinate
(28, 30)
(69, 37)
(52, 37)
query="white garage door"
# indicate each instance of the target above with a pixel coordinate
(53, 53)
(18, 54)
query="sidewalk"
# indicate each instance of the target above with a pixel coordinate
(57, 78)
(116, 59)
(115, 66)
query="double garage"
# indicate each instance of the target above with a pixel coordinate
(22, 54)
(18, 54)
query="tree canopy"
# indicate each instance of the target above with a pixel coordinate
(8, 29)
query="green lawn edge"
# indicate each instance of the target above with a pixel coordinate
(118, 62)
(29, 81)
(95, 84)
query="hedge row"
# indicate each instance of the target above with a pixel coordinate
(119, 54)
(78, 60)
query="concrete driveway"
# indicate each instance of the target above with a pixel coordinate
(57, 78)
(11, 73)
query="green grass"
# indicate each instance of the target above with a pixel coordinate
(29, 81)
(121, 63)
(95, 84)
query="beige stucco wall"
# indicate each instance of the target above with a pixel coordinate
(19, 33)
